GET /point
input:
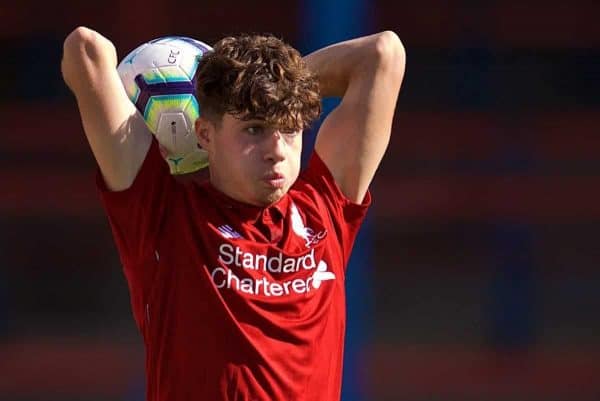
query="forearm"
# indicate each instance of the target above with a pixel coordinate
(338, 64)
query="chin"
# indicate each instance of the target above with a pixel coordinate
(272, 197)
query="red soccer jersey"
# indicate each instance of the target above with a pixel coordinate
(236, 302)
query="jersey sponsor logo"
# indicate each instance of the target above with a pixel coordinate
(234, 255)
(308, 234)
(233, 258)
(322, 275)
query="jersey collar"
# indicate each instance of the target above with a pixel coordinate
(247, 212)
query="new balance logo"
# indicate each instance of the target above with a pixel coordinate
(228, 232)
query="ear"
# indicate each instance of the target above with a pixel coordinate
(203, 128)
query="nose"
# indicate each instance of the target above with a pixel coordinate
(275, 147)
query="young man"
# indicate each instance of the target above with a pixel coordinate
(237, 283)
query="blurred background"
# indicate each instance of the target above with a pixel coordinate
(476, 275)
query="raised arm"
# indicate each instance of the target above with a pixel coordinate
(115, 131)
(366, 72)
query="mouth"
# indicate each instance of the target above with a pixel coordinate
(274, 180)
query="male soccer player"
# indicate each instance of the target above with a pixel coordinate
(237, 282)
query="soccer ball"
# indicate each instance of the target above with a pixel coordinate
(159, 78)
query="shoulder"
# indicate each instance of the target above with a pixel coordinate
(318, 181)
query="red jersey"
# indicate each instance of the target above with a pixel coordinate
(236, 302)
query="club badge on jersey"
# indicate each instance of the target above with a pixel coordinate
(159, 78)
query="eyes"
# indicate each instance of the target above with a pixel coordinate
(255, 130)
(258, 130)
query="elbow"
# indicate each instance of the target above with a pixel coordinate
(80, 34)
(83, 50)
(74, 56)
(78, 41)
(389, 52)
(84, 43)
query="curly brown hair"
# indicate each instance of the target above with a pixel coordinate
(257, 77)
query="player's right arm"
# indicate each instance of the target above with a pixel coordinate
(116, 132)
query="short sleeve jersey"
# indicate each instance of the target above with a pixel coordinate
(236, 302)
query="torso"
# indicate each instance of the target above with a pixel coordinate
(224, 306)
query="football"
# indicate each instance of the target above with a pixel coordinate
(159, 78)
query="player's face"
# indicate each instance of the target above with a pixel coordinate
(249, 160)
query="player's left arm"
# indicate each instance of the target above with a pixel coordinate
(367, 73)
